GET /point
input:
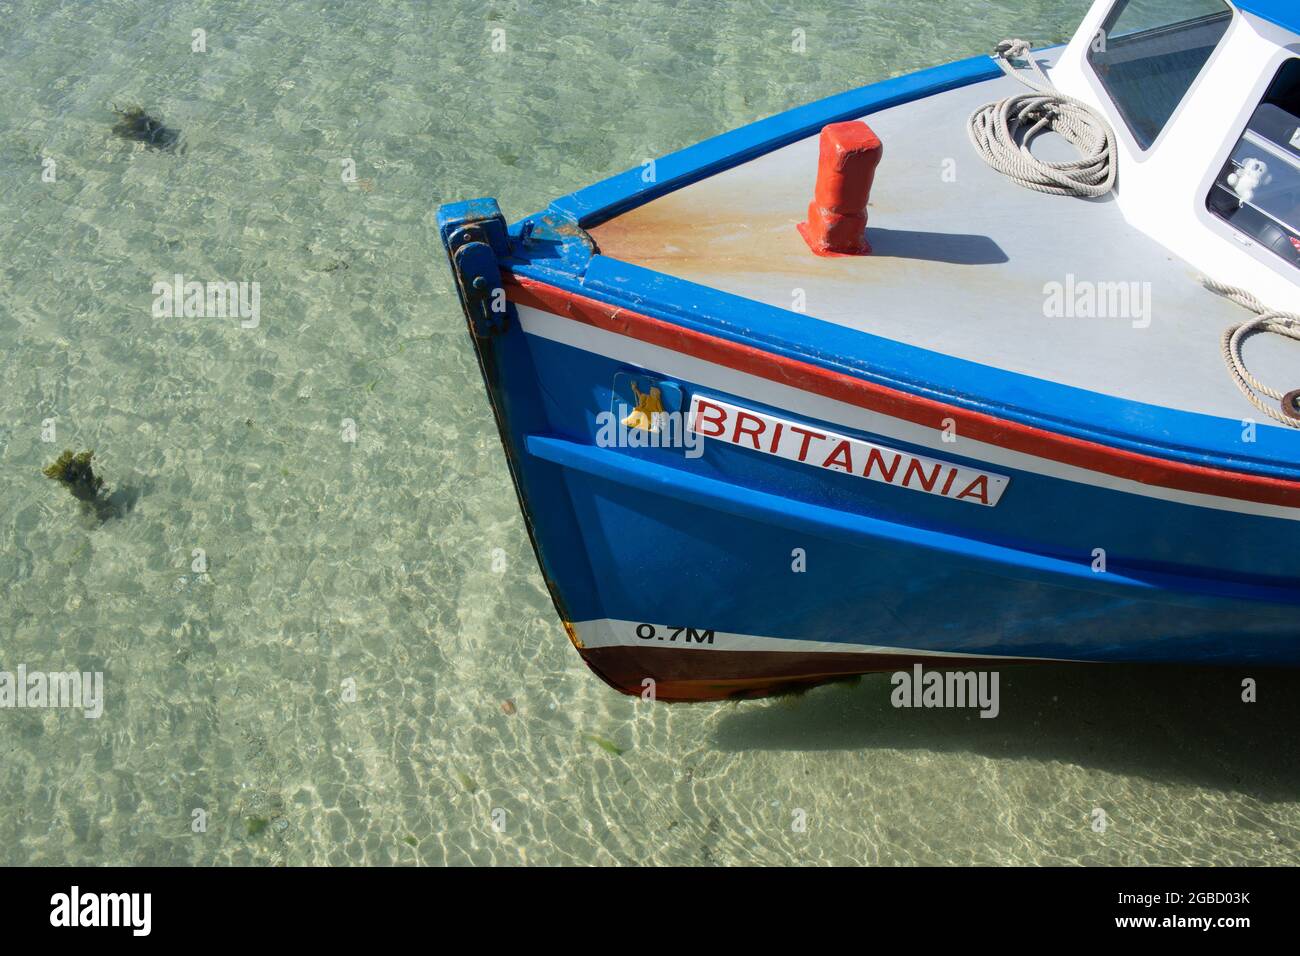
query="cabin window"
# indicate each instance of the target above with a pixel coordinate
(1148, 57)
(1258, 189)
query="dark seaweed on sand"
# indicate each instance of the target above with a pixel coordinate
(76, 474)
(142, 127)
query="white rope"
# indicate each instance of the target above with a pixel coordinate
(1003, 133)
(1234, 337)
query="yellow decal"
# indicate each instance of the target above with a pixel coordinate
(647, 407)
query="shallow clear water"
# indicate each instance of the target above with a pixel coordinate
(398, 564)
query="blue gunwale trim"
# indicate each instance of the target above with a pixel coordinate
(560, 254)
(606, 199)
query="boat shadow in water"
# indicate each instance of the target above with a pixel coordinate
(954, 248)
(1180, 725)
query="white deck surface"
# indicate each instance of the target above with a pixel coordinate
(959, 266)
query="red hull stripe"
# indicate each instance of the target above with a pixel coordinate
(884, 400)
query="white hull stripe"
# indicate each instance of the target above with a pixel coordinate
(674, 364)
(608, 632)
(749, 428)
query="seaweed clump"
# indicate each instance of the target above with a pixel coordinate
(76, 473)
(143, 127)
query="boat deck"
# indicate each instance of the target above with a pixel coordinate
(962, 261)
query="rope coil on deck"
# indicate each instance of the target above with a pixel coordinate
(1003, 133)
(1234, 337)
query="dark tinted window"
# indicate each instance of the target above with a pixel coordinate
(1258, 189)
(1150, 52)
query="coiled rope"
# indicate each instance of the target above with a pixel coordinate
(1003, 133)
(1234, 337)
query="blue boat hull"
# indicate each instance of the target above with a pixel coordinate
(1103, 530)
(704, 578)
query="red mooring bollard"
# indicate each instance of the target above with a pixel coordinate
(837, 216)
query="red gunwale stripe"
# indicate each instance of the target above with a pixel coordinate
(1039, 442)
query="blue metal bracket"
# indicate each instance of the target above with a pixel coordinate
(553, 242)
(474, 234)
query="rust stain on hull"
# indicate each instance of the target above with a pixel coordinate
(683, 676)
(759, 254)
(672, 236)
(932, 249)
